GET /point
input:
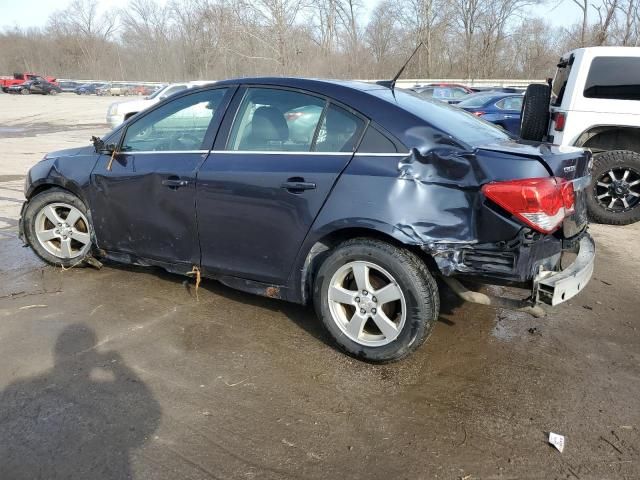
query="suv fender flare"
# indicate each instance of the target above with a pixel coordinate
(595, 130)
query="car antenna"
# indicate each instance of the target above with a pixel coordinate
(392, 83)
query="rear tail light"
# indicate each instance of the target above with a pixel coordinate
(542, 203)
(290, 116)
(478, 114)
(559, 119)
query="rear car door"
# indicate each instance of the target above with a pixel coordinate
(274, 163)
(144, 199)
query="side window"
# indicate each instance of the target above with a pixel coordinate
(510, 103)
(179, 125)
(270, 119)
(375, 142)
(616, 78)
(339, 131)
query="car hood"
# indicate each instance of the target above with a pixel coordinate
(135, 105)
(68, 152)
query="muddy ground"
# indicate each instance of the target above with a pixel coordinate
(122, 373)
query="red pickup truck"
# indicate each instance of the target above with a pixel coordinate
(18, 78)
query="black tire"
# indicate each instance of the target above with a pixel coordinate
(25, 91)
(412, 276)
(534, 118)
(602, 164)
(35, 205)
(53, 92)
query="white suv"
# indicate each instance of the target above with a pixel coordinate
(120, 111)
(594, 102)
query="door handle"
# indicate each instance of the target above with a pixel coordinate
(175, 182)
(297, 185)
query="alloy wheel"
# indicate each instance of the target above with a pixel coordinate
(618, 190)
(366, 303)
(63, 231)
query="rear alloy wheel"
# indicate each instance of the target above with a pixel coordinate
(25, 91)
(615, 194)
(53, 92)
(535, 112)
(378, 302)
(57, 228)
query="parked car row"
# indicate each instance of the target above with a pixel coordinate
(113, 89)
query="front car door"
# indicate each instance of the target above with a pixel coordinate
(143, 200)
(274, 163)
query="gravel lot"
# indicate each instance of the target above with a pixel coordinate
(121, 373)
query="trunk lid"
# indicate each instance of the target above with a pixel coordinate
(569, 163)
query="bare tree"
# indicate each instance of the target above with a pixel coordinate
(606, 16)
(584, 7)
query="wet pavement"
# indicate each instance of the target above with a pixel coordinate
(123, 373)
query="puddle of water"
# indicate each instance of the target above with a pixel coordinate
(11, 130)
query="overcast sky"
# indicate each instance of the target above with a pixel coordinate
(34, 13)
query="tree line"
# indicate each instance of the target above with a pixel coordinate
(211, 39)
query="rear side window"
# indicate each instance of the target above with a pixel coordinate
(510, 103)
(375, 142)
(559, 84)
(339, 131)
(614, 78)
(270, 119)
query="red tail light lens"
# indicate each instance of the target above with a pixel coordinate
(559, 119)
(542, 203)
(478, 114)
(290, 116)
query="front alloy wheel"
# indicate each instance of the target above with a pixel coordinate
(63, 231)
(56, 225)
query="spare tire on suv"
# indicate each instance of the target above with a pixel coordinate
(535, 112)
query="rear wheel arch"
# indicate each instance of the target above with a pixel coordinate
(324, 245)
(610, 137)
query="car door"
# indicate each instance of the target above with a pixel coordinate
(143, 200)
(36, 87)
(509, 108)
(275, 161)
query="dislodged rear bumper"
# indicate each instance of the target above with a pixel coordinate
(553, 288)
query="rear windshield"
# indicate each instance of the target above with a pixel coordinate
(453, 121)
(559, 84)
(475, 100)
(614, 78)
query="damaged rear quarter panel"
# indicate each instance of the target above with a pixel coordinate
(431, 200)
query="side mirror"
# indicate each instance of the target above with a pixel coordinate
(107, 149)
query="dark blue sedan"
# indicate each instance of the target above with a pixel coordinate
(503, 109)
(349, 196)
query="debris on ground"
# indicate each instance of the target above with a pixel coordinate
(557, 441)
(29, 307)
(534, 331)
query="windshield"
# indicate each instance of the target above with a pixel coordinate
(453, 121)
(473, 101)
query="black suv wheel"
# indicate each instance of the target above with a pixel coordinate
(615, 194)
